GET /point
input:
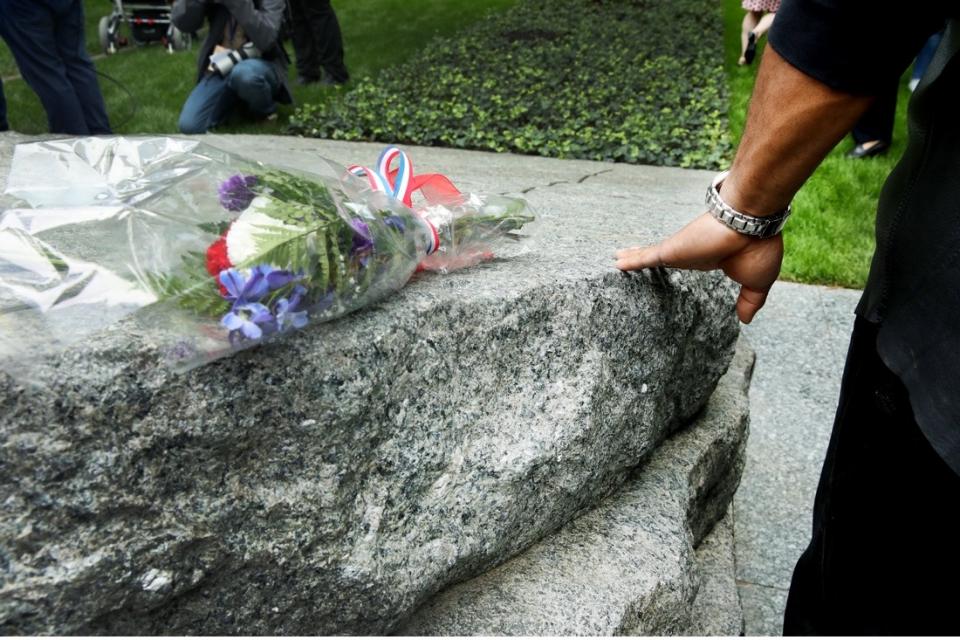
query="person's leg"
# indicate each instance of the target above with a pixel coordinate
(3, 109)
(27, 28)
(255, 83)
(207, 105)
(764, 25)
(328, 39)
(750, 20)
(885, 525)
(71, 47)
(874, 130)
(307, 60)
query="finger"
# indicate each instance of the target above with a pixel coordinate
(638, 258)
(749, 302)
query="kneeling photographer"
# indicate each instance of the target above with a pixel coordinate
(242, 62)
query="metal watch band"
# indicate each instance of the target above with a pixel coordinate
(760, 227)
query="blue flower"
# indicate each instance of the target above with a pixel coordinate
(249, 318)
(287, 313)
(236, 193)
(248, 321)
(262, 279)
(396, 222)
(241, 289)
(277, 278)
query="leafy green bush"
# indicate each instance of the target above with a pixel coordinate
(637, 81)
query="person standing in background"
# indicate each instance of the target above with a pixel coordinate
(757, 21)
(317, 42)
(873, 133)
(46, 38)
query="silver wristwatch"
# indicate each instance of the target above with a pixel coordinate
(760, 227)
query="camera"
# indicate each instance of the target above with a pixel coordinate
(224, 61)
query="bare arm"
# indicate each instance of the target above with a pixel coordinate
(793, 122)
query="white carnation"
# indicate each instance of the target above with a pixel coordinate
(242, 238)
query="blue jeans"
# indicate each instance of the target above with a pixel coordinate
(252, 82)
(47, 40)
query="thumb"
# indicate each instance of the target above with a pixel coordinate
(749, 302)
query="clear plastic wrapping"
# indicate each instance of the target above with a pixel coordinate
(212, 252)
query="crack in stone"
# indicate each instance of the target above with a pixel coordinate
(593, 175)
(580, 180)
(748, 583)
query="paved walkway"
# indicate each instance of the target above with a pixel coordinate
(801, 339)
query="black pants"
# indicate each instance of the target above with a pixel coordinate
(317, 40)
(876, 123)
(47, 40)
(885, 552)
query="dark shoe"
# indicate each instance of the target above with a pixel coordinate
(327, 81)
(751, 51)
(861, 151)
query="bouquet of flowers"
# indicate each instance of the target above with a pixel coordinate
(216, 253)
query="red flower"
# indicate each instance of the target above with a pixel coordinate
(217, 260)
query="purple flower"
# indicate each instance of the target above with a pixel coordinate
(362, 240)
(287, 313)
(236, 192)
(247, 321)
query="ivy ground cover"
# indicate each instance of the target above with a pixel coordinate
(637, 81)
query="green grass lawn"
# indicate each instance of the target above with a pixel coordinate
(149, 85)
(830, 237)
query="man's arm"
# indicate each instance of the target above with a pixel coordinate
(188, 15)
(793, 122)
(262, 26)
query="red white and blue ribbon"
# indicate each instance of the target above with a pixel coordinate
(375, 180)
(399, 183)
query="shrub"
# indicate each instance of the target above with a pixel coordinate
(631, 81)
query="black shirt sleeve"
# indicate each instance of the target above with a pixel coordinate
(856, 46)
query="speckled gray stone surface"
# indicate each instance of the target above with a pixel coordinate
(629, 565)
(333, 481)
(717, 610)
